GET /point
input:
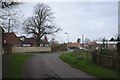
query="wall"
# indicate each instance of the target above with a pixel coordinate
(31, 49)
(110, 61)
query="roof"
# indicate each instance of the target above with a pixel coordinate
(109, 42)
(73, 44)
(32, 41)
(29, 41)
(92, 44)
(46, 40)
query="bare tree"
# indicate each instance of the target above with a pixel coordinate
(41, 23)
(9, 4)
(9, 18)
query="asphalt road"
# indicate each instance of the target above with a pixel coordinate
(44, 65)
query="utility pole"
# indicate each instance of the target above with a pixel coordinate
(67, 37)
(9, 26)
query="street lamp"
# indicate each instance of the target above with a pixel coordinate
(67, 39)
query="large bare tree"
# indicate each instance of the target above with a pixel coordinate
(9, 17)
(41, 23)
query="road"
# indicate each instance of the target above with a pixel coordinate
(43, 65)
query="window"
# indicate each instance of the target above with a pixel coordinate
(4, 41)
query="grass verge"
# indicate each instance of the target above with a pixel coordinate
(15, 69)
(93, 69)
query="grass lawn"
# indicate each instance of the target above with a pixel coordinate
(15, 69)
(86, 66)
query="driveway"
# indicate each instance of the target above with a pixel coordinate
(43, 65)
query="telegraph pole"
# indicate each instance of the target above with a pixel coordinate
(9, 26)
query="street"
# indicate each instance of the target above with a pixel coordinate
(44, 65)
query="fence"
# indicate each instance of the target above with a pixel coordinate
(31, 49)
(109, 61)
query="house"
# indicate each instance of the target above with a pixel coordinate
(97, 45)
(44, 42)
(28, 41)
(31, 42)
(111, 45)
(90, 45)
(11, 39)
(75, 44)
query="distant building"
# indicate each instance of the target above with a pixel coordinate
(111, 45)
(32, 42)
(97, 45)
(75, 44)
(28, 41)
(90, 45)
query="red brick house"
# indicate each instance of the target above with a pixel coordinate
(12, 39)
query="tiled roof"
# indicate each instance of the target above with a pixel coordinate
(109, 42)
(32, 41)
(73, 44)
(92, 44)
(29, 41)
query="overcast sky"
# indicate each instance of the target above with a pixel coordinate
(93, 19)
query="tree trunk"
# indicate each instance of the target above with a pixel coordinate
(38, 42)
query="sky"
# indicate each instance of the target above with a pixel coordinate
(94, 20)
